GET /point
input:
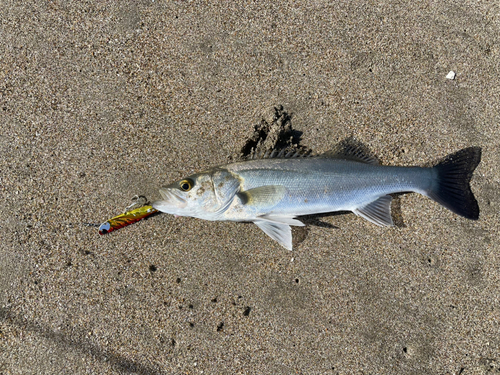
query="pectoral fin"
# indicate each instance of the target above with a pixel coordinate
(277, 231)
(378, 212)
(263, 196)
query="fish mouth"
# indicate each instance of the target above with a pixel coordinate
(172, 201)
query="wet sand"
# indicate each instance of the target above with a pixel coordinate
(100, 102)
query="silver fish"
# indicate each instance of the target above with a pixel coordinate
(273, 191)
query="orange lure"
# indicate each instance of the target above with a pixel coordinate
(127, 218)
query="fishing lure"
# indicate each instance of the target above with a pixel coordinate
(127, 218)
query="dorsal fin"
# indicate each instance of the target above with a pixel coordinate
(284, 153)
(348, 151)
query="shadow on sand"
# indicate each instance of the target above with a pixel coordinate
(67, 341)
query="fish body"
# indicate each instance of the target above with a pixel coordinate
(317, 185)
(272, 192)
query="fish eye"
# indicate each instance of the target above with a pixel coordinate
(186, 185)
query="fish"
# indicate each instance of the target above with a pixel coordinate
(274, 190)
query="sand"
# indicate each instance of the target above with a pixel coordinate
(102, 101)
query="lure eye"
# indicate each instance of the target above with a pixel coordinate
(186, 185)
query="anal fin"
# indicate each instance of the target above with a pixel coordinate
(378, 211)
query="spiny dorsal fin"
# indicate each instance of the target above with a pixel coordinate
(348, 151)
(284, 153)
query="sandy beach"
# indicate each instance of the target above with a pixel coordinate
(101, 101)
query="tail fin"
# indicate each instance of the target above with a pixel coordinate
(452, 189)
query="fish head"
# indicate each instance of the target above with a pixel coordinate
(201, 195)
